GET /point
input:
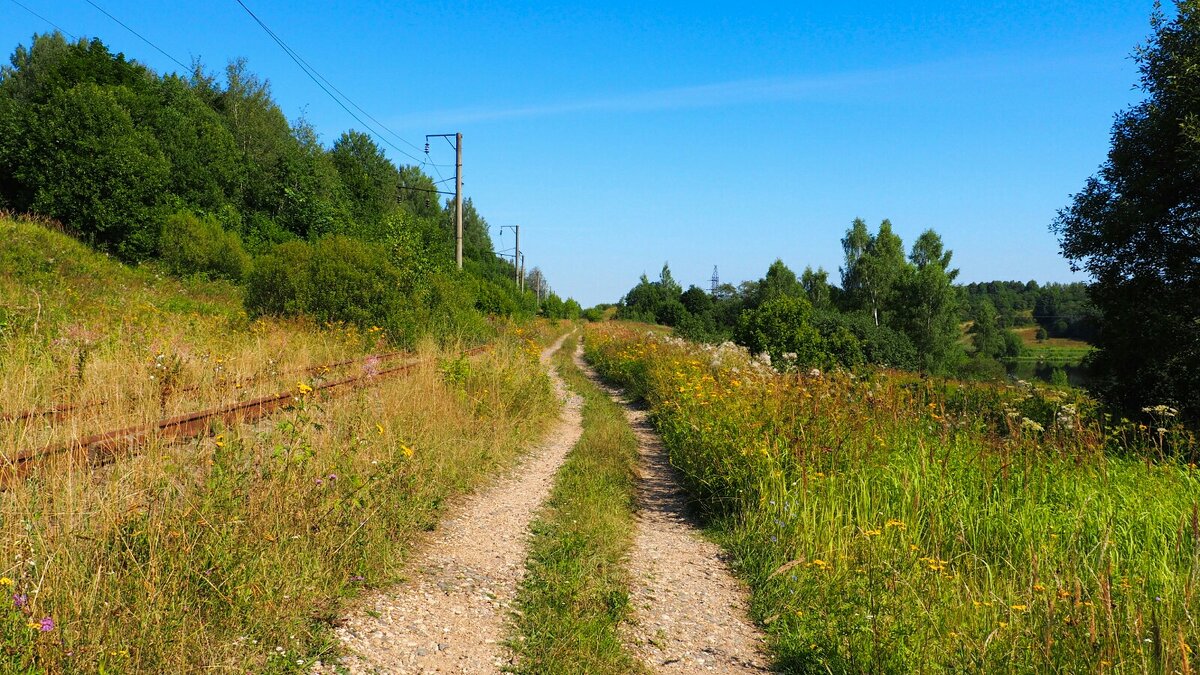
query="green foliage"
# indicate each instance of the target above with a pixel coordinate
(927, 306)
(335, 279)
(1132, 228)
(783, 328)
(198, 245)
(654, 301)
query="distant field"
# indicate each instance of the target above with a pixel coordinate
(1051, 349)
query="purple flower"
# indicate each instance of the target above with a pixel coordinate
(46, 624)
(20, 600)
(319, 481)
(333, 476)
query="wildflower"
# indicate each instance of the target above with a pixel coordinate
(1039, 587)
(303, 388)
(332, 477)
(406, 451)
(379, 428)
(20, 600)
(1030, 425)
(1019, 608)
(895, 523)
(46, 624)
(871, 533)
(6, 582)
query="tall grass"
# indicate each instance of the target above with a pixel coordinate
(576, 592)
(891, 524)
(234, 551)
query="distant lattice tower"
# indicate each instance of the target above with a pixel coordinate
(716, 280)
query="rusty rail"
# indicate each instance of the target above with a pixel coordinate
(59, 411)
(104, 448)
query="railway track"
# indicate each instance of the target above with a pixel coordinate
(104, 448)
(58, 412)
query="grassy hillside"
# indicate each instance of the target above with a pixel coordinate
(234, 550)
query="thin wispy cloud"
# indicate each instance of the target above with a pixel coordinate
(720, 94)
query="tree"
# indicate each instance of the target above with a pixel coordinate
(1135, 228)
(985, 334)
(874, 265)
(368, 177)
(927, 305)
(779, 282)
(816, 286)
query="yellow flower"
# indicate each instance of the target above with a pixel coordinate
(379, 428)
(896, 523)
(5, 581)
(406, 451)
(1019, 608)
(1039, 587)
(871, 533)
(303, 388)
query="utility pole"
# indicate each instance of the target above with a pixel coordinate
(518, 268)
(458, 199)
(522, 273)
(458, 206)
(716, 281)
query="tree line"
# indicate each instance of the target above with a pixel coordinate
(891, 308)
(208, 176)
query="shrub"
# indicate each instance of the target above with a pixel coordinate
(593, 314)
(1013, 345)
(779, 326)
(198, 245)
(335, 279)
(982, 367)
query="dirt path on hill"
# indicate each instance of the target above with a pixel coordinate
(690, 612)
(452, 615)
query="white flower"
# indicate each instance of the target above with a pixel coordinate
(1030, 425)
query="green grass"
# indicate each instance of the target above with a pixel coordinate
(575, 594)
(889, 524)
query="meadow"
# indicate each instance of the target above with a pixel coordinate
(889, 523)
(238, 549)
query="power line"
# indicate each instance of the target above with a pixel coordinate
(314, 75)
(139, 35)
(56, 26)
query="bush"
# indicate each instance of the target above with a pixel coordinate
(593, 314)
(335, 279)
(198, 245)
(782, 325)
(1013, 345)
(982, 367)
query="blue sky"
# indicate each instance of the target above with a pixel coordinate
(623, 135)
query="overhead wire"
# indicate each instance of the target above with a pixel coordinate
(56, 26)
(317, 79)
(143, 38)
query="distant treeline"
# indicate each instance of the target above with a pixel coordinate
(889, 309)
(1062, 310)
(210, 176)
